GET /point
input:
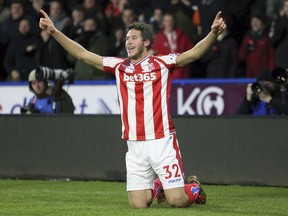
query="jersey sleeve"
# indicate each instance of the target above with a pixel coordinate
(169, 60)
(110, 63)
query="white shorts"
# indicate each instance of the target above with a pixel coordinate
(147, 159)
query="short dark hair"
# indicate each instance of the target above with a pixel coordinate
(146, 31)
(16, 2)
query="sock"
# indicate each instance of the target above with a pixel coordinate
(157, 189)
(192, 190)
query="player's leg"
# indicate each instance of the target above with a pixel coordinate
(183, 196)
(157, 190)
(167, 163)
(176, 197)
(170, 170)
(140, 175)
(193, 189)
(139, 198)
(201, 198)
(144, 198)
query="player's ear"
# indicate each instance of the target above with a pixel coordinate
(147, 43)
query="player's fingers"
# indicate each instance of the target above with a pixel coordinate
(221, 23)
(218, 15)
(43, 23)
(44, 13)
(221, 20)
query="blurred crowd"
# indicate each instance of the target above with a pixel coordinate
(256, 37)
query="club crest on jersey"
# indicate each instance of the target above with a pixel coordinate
(151, 67)
(194, 190)
(139, 77)
(172, 56)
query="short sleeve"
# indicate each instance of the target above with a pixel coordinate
(110, 63)
(169, 60)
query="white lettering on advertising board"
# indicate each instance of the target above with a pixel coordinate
(204, 102)
(88, 99)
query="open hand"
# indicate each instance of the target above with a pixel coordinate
(218, 24)
(46, 23)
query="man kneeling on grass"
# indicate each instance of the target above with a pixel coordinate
(144, 84)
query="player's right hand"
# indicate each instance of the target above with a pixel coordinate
(218, 24)
(46, 23)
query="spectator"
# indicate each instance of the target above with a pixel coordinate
(4, 14)
(115, 8)
(95, 41)
(9, 26)
(76, 28)
(172, 40)
(142, 8)
(156, 19)
(183, 11)
(20, 56)
(258, 5)
(207, 9)
(117, 45)
(221, 61)
(34, 9)
(68, 5)
(48, 99)
(274, 8)
(4, 11)
(93, 9)
(280, 37)
(240, 15)
(49, 52)
(256, 52)
(58, 15)
(127, 17)
(264, 97)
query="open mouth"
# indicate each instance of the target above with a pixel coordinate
(130, 48)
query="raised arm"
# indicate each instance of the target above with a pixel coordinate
(202, 46)
(71, 46)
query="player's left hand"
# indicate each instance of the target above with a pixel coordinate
(218, 24)
(46, 23)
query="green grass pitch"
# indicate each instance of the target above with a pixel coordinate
(47, 197)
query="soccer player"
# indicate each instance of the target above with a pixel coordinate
(144, 84)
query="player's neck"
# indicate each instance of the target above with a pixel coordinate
(139, 58)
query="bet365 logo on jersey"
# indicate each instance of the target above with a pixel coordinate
(140, 77)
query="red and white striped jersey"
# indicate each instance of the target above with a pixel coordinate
(143, 93)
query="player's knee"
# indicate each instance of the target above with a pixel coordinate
(177, 197)
(138, 205)
(179, 201)
(139, 199)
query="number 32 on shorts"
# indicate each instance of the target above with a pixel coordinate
(172, 171)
